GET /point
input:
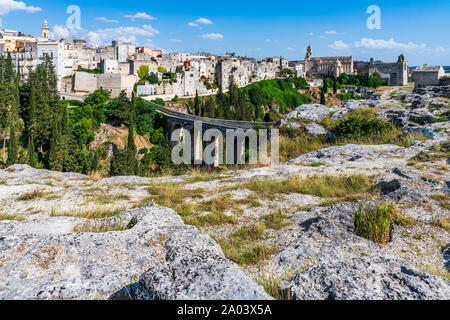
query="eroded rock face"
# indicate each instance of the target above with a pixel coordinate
(383, 277)
(312, 112)
(315, 129)
(196, 274)
(327, 235)
(44, 259)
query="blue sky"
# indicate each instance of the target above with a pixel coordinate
(419, 29)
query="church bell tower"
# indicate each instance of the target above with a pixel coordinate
(45, 30)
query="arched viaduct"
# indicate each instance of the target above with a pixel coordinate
(188, 122)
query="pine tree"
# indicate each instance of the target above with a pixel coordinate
(123, 108)
(13, 151)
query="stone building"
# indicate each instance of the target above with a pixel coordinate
(394, 73)
(321, 66)
(428, 76)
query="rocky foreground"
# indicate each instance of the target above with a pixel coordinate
(70, 236)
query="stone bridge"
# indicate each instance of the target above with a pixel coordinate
(183, 123)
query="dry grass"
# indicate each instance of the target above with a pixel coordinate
(9, 217)
(101, 197)
(95, 176)
(209, 220)
(404, 221)
(356, 186)
(31, 195)
(440, 272)
(443, 199)
(443, 223)
(172, 196)
(46, 257)
(245, 246)
(88, 227)
(97, 213)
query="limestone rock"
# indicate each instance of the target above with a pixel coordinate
(44, 259)
(383, 277)
(315, 129)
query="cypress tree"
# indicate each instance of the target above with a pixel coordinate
(197, 104)
(325, 84)
(31, 152)
(322, 96)
(131, 150)
(13, 151)
(210, 108)
(221, 102)
(334, 85)
(234, 95)
(54, 151)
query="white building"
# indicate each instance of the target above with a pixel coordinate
(428, 76)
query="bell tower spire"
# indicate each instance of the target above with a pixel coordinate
(45, 30)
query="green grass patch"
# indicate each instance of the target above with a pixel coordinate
(271, 285)
(209, 220)
(9, 217)
(358, 186)
(276, 220)
(374, 223)
(404, 221)
(245, 246)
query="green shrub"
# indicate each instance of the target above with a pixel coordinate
(374, 223)
(354, 127)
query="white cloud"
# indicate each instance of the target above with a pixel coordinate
(268, 40)
(290, 49)
(175, 40)
(311, 34)
(6, 6)
(212, 36)
(59, 32)
(106, 20)
(331, 32)
(126, 34)
(140, 15)
(204, 21)
(368, 43)
(339, 45)
(198, 22)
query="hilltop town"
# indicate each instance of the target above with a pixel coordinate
(92, 207)
(82, 69)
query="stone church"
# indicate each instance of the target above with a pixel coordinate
(394, 73)
(318, 67)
